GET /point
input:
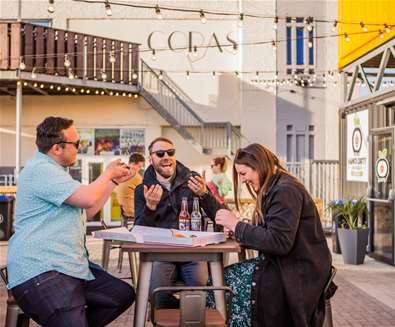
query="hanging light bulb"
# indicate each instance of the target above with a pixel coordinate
(67, 62)
(103, 75)
(71, 75)
(88, 91)
(158, 13)
(136, 95)
(112, 57)
(161, 75)
(333, 29)
(363, 26)
(34, 75)
(22, 65)
(153, 55)
(188, 74)
(237, 73)
(257, 74)
(107, 7)
(381, 34)
(51, 6)
(41, 86)
(310, 44)
(241, 19)
(35, 85)
(274, 45)
(97, 92)
(195, 51)
(58, 88)
(275, 24)
(214, 74)
(347, 37)
(203, 18)
(111, 93)
(309, 23)
(134, 76)
(387, 28)
(234, 51)
(102, 93)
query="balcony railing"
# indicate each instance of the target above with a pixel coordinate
(51, 51)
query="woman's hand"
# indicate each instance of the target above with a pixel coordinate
(227, 219)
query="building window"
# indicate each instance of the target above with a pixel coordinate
(299, 143)
(300, 44)
(289, 148)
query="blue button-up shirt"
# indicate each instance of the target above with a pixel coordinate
(49, 234)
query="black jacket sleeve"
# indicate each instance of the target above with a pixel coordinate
(277, 235)
(143, 215)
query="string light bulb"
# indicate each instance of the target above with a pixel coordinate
(107, 7)
(135, 95)
(103, 75)
(387, 28)
(310, 44)
(51, 6)
(241, 19)
(309, 23)
(333, 29)
(381, 34)
(67, 62)
(214, 74)
(34, 75)
(347, 37)
(71, 75)
(203, 18)
(158, 13)
(112, 57)
(274, 45)
(195, 51)
(363, 26)
(234, 51)
(275, 24)
(153, 55)
(188, 75)
(134, 76)
(22, 65)
(161, 75)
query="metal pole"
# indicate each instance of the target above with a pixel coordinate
(19, 17)
(18, 130)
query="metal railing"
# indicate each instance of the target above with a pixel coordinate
(322, 179)
(46, 50)
(171, 102)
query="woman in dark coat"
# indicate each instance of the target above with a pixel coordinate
(284, 285)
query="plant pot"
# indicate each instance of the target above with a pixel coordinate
(353, 244)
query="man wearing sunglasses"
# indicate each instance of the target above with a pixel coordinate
(49, 271)
(157, 204)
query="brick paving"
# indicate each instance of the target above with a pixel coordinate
(365, 297)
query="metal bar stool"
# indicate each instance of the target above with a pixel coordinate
(15, 317)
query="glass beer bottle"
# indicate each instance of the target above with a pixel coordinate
(184, 219)
(196, 216)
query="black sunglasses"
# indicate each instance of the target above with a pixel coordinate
(161, 153)
(76, 143)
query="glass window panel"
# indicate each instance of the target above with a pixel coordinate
(311, 50)
(300, 148)
(299, 46)
(289, 148)
(289, 45)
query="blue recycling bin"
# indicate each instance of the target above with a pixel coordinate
(6, 216)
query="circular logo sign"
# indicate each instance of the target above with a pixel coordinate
(357, 139)
(382, 169)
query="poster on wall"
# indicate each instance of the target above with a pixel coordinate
(87, 139)
(132, 140)
(357, 146)
(107, 141)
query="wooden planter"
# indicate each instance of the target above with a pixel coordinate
(353, 244)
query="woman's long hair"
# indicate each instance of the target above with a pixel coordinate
(265, 163)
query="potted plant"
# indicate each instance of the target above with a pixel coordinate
(353, 232)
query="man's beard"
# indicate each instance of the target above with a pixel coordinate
(164, 172)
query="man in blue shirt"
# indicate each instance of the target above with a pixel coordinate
(49, 271)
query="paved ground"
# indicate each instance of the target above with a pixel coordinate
(366, 294)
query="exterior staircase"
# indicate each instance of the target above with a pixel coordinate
(76, 61)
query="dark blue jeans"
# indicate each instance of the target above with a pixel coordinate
(167, 273)
(56, 300)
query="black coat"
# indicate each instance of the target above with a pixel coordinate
(168, 209)
(288, 284)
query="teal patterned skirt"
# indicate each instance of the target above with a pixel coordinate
(239, 278)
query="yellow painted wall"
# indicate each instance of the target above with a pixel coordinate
(370, 12)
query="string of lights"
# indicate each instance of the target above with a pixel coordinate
(159, 9)
(273, 43)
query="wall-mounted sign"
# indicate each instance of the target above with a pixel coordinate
(357, 146)
(382, 167)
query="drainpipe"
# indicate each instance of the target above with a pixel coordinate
(18, 130)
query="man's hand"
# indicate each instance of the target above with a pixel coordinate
(118, 171)
(123, 179)
(227, 219)
(197, 185)
(152, 195)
